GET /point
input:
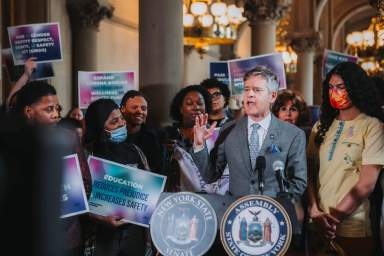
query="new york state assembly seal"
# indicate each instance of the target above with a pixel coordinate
(256, 225)
(183, 224)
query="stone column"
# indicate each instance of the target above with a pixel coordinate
(85, 17)
(160, 55)
(263, 17)
(305, 45)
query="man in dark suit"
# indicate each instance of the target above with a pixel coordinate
(258, 133)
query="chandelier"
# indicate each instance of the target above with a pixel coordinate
(380, 7)
(289, 57)
(210, 22)
(368, 45)
(283, 46)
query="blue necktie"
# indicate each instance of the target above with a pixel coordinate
(254, 144)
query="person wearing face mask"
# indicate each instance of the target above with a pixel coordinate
(106, 137)
(345, 156)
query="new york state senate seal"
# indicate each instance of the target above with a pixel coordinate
(183, 224)
(256, 225)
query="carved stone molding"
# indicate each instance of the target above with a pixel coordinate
(302, 42)
(88, 13)
(379, 5)
(265, 10)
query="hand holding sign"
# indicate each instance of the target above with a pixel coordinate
(123, 191)
(30, 66)
(113, 221)
(35, 40)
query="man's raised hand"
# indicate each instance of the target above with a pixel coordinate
(200, 131)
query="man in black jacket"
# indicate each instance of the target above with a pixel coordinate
(134, 107)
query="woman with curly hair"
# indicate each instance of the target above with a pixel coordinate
(345, 155)
(220, 98)
(187, 104)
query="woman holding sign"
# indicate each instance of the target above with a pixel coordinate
(345, 154)
(105, 137)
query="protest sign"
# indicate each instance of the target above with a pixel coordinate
(332, 58)
(219, 70)
(42, 70)
(237, 69)
(41, 41)
(107, 85)
(73, 197)
(124, 191)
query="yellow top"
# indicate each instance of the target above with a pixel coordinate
(346, 147)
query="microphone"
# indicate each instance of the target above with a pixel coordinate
(260, 167)
(278, 168)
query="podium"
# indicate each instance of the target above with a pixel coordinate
(220, 204)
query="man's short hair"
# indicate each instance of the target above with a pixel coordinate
(130, 94)
(31, 93)
(267, 74)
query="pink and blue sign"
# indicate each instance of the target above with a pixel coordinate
(73, 196)
(41, 72)
(41, 41)
(124, 191)
(108, 85)
(332, 58)
(237, 69)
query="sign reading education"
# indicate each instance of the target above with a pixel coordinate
(219, 70)
(237, 69)
(332, 58)
(73, 197)
(107, 85)
(121, 190)
(41, 41)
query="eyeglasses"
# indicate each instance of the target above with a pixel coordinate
(216, 94)
(336, 86)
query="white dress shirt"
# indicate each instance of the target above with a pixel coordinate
(262, 131)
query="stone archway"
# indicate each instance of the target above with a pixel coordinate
(347, 17)
(319, 11)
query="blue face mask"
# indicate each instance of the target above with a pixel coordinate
(119, 135)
